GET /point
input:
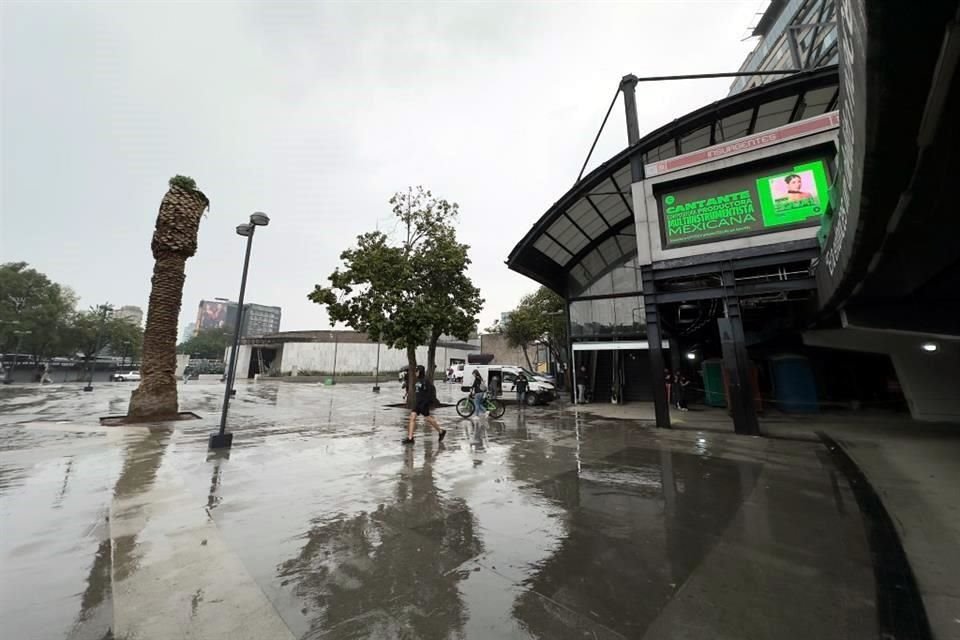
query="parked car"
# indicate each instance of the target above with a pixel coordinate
(539, 391)
(126, 376)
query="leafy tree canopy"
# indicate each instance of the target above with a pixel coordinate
(184, 182)
(408, 290)
(538, 319)
(208, 343)
(33, 309)
(95, 332)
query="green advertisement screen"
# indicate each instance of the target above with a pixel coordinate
(763, 201)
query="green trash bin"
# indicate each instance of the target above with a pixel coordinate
(712, 372)
(329, 382)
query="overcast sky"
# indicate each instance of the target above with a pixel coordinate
(316, 113)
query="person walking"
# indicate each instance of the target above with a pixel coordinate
(680, 389)
(582, 384)
(426, 397)
(479, 390)
(521, 386)
(668, 383)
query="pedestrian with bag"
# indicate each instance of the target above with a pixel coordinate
(479, 391)
(426, 398)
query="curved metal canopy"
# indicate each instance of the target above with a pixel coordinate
(590, 230)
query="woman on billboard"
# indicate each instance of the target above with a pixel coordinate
(795, 190)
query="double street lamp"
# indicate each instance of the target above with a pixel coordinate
(223, 439)
(8, 379)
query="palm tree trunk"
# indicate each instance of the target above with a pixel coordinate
(156, 397)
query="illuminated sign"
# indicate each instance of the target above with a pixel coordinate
(764, 201)
(211, 315)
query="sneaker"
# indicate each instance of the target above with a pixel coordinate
(443, 434)
(407, 441)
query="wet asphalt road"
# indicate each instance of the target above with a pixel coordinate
(320, 524)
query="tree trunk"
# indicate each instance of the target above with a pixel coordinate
(174, 240)
(432, 356)
(526, 356)
(156, 397)
(411, 377)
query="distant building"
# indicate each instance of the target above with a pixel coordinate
(505, 316)
(130, 313)
(794, 34)
(258, 319)
(189, 330)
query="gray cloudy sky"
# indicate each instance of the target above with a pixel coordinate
(316, 113)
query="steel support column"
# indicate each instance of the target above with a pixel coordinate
(661, 406)
(736, 360)
(572, 366)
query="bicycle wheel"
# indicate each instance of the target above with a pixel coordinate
(465, 407)
(496, 408)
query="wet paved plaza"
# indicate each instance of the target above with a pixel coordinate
(320, 524)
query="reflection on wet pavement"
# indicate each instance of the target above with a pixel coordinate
(319, 524)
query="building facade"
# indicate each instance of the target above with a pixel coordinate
(792, 35)
(258, 319)
(335, 352)
(130, 313)
(782, 247)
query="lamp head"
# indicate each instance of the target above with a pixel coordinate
(259, 218)
(244, 229)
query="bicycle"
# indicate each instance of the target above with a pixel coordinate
(494, 407)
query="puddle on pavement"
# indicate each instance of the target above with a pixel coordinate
(540, 525)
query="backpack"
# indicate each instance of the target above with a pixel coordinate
(483, 387)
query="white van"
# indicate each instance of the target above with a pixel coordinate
(539, 391)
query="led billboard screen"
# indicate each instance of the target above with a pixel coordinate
(748, 203)
(211, 315)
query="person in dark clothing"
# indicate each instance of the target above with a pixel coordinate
(425, 399)
(521, 386)
(680, 391)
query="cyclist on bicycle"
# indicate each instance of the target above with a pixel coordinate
(478, 390)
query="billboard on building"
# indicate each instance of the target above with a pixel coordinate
(212, 315)
(750, 202)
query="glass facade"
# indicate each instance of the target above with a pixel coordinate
(802, 36)
(620, 315)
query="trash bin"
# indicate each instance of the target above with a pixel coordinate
(712, 373)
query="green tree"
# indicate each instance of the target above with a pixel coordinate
(93, 332)
(125, 339)
(208, 343)
(408, 292)
(538, 319)
(40, 310)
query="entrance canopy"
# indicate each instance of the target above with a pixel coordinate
(590, 230)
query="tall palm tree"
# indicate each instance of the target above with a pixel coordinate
(174, 240)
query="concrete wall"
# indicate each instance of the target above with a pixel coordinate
(502, 352)
(350, 357)
(647, 217)
(243, 360)
(929, 380)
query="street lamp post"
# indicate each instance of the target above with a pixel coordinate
(376, 374)
(104, 309)
(223, 439)
(16, 356)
